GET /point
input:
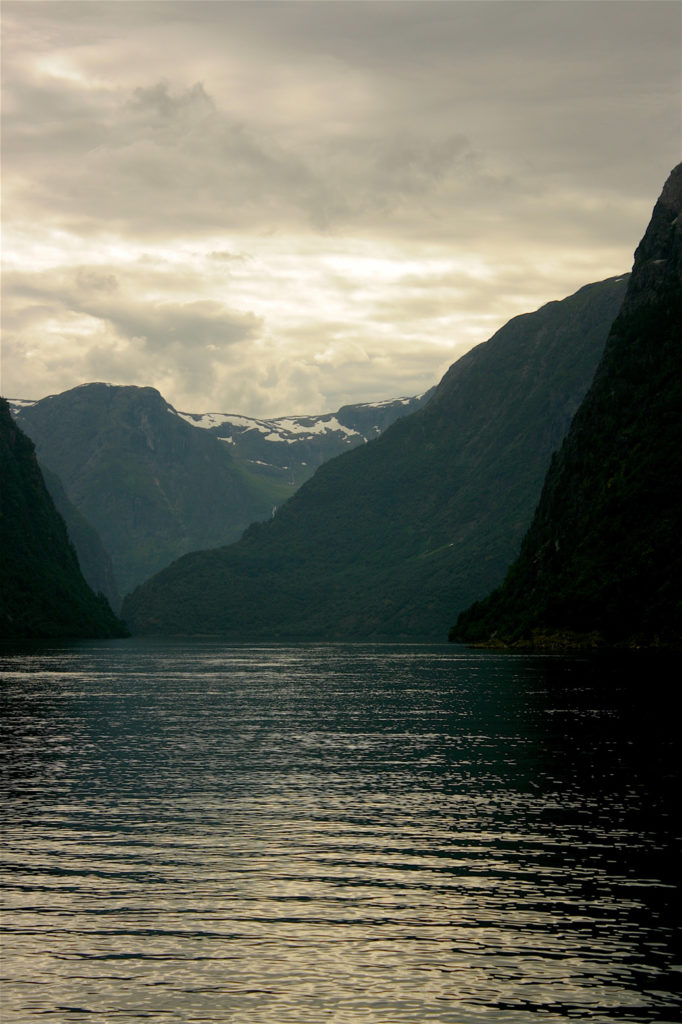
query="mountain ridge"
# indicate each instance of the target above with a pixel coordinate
(155, 483)
(142, 476)
(294, 446)
(382, 540)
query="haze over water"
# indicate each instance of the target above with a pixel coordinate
(361, 834)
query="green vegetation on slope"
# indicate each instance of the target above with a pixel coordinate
(602, 561)
(42, 590)
(384, 540)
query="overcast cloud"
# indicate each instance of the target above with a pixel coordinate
(271, 208)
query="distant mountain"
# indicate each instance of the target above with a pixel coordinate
(42, 590)
(291, 448)
(155, 483)
(151, 485)
(602, 561)
(385, 540)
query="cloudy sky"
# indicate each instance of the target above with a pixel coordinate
(272, 208)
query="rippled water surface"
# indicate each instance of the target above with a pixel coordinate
(347, 834)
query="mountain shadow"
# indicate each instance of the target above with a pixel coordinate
(42, 590)
(602, 560)
(94, 560)
(385, 540)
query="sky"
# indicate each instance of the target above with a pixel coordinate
(273, 208)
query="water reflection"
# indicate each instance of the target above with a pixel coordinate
(369, 833)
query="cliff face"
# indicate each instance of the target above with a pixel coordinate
(42, 590)
(602, 560)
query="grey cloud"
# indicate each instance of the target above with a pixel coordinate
(223, 256)
(406, 137)
(86, 324)
(89, 280)
(158, 164)
(164, 160)
(156, 105)
(201, 324)
(524, 137)
(399, 34)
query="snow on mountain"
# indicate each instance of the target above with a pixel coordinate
(287, 429)
(17, 404)
(292, 447)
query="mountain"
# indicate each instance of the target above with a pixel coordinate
(152, 486)
(94, 560)
(602, 560)
(291, 448)
(385, 540)
(42, 590)
(155, 483)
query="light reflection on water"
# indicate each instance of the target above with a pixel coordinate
(361, 834)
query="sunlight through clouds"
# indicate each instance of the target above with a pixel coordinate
(275, 209)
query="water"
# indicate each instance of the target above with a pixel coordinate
(355, 834)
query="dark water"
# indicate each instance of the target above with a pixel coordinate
(196, 832)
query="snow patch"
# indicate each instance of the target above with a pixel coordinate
(208, 420)
(282, 430)
(17, 404)
(325, 425)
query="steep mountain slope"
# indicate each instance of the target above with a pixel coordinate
(94, 560)
(384, 540)
(151, 485)
(291, 448)
(42, 590)
(603, 555)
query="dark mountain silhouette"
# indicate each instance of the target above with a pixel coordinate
(602, 560)
(42, 590)
(385, 540)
